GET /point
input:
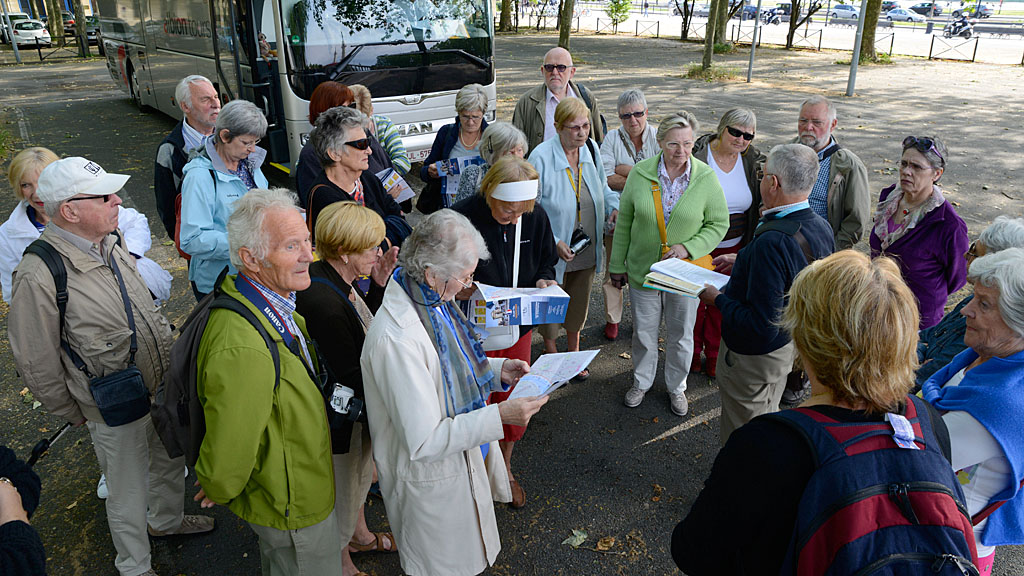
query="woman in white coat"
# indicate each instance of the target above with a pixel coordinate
(28, 219)
(426, 379)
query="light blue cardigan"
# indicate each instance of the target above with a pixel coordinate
(558, 199)
(205, 208)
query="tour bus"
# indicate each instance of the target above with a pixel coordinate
(413, 56)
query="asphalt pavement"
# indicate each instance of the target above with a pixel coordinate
(587, 462)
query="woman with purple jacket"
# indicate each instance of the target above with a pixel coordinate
(915, 225)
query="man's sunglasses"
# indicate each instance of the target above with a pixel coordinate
(553, 67)
(922, 145)
(105, 197)
(361, 144)
(736, 133)
(637, 115)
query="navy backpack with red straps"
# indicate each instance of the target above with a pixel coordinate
(873, 506)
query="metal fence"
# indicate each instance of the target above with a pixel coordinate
(953, 48)
(607, 26)
(805, 39)
(645, 28)
(880, 42)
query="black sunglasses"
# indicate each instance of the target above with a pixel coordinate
(736, 133)
(105, 197)
(922, 145)
(637, 115)
(352, 106)
(553, 67)
(361, 144)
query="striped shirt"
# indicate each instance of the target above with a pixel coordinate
(391, 140)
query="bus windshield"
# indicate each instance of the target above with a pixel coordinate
(393, 47)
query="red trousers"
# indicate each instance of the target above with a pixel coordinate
(519, 351)
(707, 330)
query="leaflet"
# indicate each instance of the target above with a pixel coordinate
(550, 371)
(496, 306)
(395, 185)
(450, 171)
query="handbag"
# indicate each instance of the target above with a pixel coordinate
(502, 337)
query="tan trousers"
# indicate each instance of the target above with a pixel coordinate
(311, 551)
(577, 285)
(353, 474)
(146, 486)
(750, 385)
(613, 297)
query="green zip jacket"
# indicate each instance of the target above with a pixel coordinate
(699, 220)
(267, 453)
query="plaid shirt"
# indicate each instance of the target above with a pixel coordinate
(672, 190)
(285, 307)
(819, 194)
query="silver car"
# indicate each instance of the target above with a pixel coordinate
(844, 11)
(903, 15)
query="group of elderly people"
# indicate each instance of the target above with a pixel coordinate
(436, 396)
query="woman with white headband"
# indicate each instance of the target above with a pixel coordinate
(504, 210)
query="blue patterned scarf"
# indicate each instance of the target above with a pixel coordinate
(466, 371)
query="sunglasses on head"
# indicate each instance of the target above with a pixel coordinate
(553, 67)
(361, 144)
(922, 145)
(736, 133)
(637, 115)
(105, 197)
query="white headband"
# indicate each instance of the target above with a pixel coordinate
(516, 191)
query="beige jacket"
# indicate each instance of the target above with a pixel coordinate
(96, 327)
(436, 485)
(528, 114)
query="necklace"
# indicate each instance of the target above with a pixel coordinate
(467, 145)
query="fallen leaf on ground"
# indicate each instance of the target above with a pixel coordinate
(577, 538)
(606, 543)
(623, 355)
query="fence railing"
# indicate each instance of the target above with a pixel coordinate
(805, 39)
(742, 36)
(645, 28)
(607, 26)
(880, 42)
(953, 49)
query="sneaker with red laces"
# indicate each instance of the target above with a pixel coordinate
(611, 331)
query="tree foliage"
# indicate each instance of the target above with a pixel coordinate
(618, 10)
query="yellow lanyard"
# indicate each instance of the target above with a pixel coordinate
(659, 212)
(576, 188)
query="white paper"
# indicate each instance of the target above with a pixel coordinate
(393, 182)
(492, 293)
(550, 371)
(692, 273)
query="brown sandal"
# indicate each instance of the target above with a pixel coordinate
(377, 545)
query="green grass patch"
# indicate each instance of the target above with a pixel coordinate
(713, 74)
(6, 143)
(882, 58)
(724, 48)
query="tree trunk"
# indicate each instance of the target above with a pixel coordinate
(794, 22)
(872, 11)
(83, 40)
(721, 19)
(565, 23)
(505, 22)
(709, 34)
(686, 11)
(55, 21)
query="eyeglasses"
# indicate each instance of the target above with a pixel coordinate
(351, 105)
(736, 133)
(361, 144)
(251, 144)
(922, 145)
(105, 197)
(475, 118)
(580, 128)
(972, 251)
(553, 67)
(628, 115)
(465, 284)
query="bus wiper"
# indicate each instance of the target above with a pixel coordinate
(466, 55)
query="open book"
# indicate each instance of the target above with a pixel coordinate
(550, 371)
(681, 277)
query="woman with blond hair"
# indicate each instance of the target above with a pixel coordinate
(337, 316)
(517, 232)
(854, 325)
(574, 191)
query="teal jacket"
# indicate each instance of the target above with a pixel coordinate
(699, 220)
(267, 453)
(558, 199)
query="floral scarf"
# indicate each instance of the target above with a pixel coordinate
(887, 209)
(465, 370)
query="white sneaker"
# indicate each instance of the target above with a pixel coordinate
(634, 396)
(101, 488)
(679, 404)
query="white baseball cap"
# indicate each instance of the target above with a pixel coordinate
(69, 177)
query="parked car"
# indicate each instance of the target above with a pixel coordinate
(785, 8)
(925, 8)
(903, 15)
(92, 29)
(889, 5)
(844, 11)
(5, 34)
(699, 10)
(979, 11)
(69, 22)
(31, 32)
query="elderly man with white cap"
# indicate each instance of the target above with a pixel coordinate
(516, 230)
(94, 354)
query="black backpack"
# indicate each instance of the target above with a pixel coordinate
(177, 413)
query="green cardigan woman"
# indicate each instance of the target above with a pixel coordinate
(671, 207)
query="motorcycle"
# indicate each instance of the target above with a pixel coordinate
(771, 16)
(962, 27)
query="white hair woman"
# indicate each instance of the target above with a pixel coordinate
(980, 392)
(427, 381)
(458, 140)
(217, 176)
(500, 139)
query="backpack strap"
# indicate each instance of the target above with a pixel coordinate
(309, 209)
(228, 303)
(49, 255)
(790, 228)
